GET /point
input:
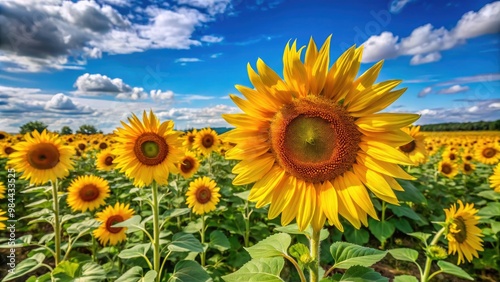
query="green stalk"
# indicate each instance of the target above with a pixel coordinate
(314, 249)
(156, 231)
(384, 207)
(428, 261)
(57, 223)
(203, 254)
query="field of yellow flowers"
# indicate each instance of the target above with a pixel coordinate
(306, 187)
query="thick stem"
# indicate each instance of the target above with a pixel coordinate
(203, 254)
(247, 226)
(156, 231)
(57, 223)
(384, 207)
(428, 261)
(314, 249)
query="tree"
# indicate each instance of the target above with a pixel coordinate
(66, 130)
(31, 126)
(87, 129)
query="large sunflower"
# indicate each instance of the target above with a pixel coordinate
(495, 179)
(415, 149)
(87, 193)
(202, 195)
(110, 216)
(206, 141)
(105, 160)
(462, 233)
(488, 153)
(313, 141)
(147, 150)
(42, 157)
(188, 165)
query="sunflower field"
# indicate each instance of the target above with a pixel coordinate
(313, 183)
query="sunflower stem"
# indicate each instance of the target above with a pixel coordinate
(156, 231)
(203, 240)
(428, 261)
(247, 225)
(57, 223)
(94, 248)
(314, 249)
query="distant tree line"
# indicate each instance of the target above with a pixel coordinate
(65, 130)
(462, 126)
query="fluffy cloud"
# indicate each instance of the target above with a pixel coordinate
(44, 35)
(425, 92)
(98, 84)
(161, 95)
(454, 89)
(482, 110)
(198, 117)
(425, 42)
(211, 39)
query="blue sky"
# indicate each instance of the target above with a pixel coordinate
(96, 62)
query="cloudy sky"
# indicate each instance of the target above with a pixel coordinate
(96, 62)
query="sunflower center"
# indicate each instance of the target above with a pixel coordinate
(314, 140)
(191, 139)
(467, 167)
(103, 146)
(408, 148)
(112, 220)
(489, 152)
(468, 158)
(109, 160)
(446, 169)
(452, 156)
(459, 230)
(207, 141)
(89, 193)
(187, 165)
(203, 195)
(9, 150)
(43, 156)
(150, 149)
(81, 146)
(2, 136)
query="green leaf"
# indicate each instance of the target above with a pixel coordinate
(26, 266)
(83, 226)
(176, 212)
(489, 194)
(382, 230)
(294, 229)
(72, 272)
(410, 194)
(219, 241)
(44, 278)
(274, 245)
(405, 278)
(491, 210)
(67, 269)
(401, 224)
(243, 195)
(495, 227)
(136, 251)
(422, 236)
(404, 210)
(91, 272)
(404, 254)
(359, 273)
(357, 236)
(132, 224)
(135, 274)
(347, 255)
(452, 269)
(185, 242)
(258, 270)
(189, 271)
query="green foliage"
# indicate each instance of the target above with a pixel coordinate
(463, 126)
(87, 129)
(66, 130)
(32, 126)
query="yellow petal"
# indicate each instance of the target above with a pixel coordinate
(376, 183)
(307, 205)
(252, 170)
(386, 168)
(358, 191)
(385, 121)
(282, 195)
(330, 204)
(384, 152)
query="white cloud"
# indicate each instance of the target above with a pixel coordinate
(472, 79)
(161, 95)
(212, 6)
(480, 110)
(425, 92)
(425, 59)
(211, 38)
(398, 5)
(494, 105)
(454, 89)
(425, 42)
(98, 84)
(187, 60)
(216, 55)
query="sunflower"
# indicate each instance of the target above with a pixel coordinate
(206, 141)
(188, 165)
(4, 135)
(202, 195)
(495, 179)
(449, 169)
(6, 149)
(110, 216)
(81, 145)
(189, 139)
(415, 149)
(103, 145)
(147, 150)
(467, 156)
(450, 154)
(105, 160)
(3, 189)
(313, 141)
(462, 232)
(2, 219)
(42, 157)
(468, 168)
(488, 153)
(87, 193)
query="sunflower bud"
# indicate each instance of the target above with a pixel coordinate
(436, 252)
